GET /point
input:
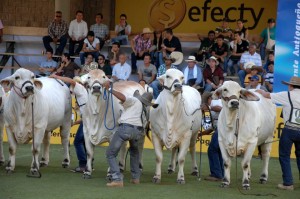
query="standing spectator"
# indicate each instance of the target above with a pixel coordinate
(48, 66)
(192, 73)
(122, 30)
(290, 101)
(242, 29)
(220, 51)
(57, 31)
(114, 52)
(77, 31)
(101, 30)
(147, 71)
(204, 51)
(250, 56)
(91, 45)
(157, 42)
(266, 34)
(67, 68)
(105, 67)
(237, 47)
(1, 31)
(140, 45)
(269, 78)
(213, 75)
(122, 70)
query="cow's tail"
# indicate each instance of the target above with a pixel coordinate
(147, 130)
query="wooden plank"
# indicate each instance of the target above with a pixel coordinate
(25, 31)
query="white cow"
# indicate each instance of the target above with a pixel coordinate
(175, 122)
(51, 101)
(256, 121)
(2, 101)
(99, 121)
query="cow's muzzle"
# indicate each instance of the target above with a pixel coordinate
(27, 88)
(234, 104)
(96, 88)
(178, 87)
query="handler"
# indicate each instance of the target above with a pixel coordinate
(130, 129)
(290, 101)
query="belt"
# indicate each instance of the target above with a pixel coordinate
(132, 126)
(292, 127)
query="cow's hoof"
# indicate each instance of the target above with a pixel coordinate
(246, 187)
(2, 163)
(156, 180)
(170, 171)
(262, 181)
(180, 181)
(86, 175)
(194, 173)
(224, 185)
(9, 171)
(65, 163)
(43, 164)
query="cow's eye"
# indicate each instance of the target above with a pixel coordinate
(17, 77)
(32, 77)
(88, 77)
(225, 89)
(167, 76)
(181, 78)
(103, 77)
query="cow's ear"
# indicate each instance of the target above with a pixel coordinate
(217, 93)
(161, 79)
(6, 82)
(248, 95)
(38, 84)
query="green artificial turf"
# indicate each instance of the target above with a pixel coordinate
(60, 183)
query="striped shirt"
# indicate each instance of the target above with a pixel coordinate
(57, 30)
(269, 77)
(100, 30)
(247, 57)
(162, 69)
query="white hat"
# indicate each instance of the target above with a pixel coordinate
(178, 56)
(191, 59)
(214, 58)
(248, 65)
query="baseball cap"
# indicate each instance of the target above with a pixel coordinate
(254, 77)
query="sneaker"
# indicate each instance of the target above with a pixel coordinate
(115, 184)
(135, 181)
(285, 187)
(78, 170)
(224, 74)
(212, 178)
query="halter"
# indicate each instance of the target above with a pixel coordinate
(227, 99)
(169, 88)
(20, 93)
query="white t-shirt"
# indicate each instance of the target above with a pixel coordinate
(132, 112)
(91, 46)
(81, 96)
(215, 115)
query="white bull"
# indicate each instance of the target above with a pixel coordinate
(2, 101)
(175, 122)
(252, 118)
(51, 101)
(98, 118)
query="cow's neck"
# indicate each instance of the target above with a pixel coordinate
(231, 117)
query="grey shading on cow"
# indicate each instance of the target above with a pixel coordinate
(51, 103)
(247, 120)
(2, 101)
(175, 123)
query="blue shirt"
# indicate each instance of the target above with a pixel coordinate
(48, 64)
(122, 72)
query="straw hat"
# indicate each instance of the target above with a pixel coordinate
(146, 30)
(191, 59)
(177, 56)
(146, 98)
(214, 58)
(294, 81)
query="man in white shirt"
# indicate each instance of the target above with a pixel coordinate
(122, 70)
(91, 45)
(77, 31)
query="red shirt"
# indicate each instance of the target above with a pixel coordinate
(208, 74)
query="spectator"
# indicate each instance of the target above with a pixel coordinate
(290, 100)
(242, 29)
(47, 66)
(105, 67)
(192, 73)
(204, 51)
(114, 52)
(101, 30)
(254, 83)
(140, 45)
(122, 70)
(220, 51)
(88, 65)
(271, 58)
(213, 75)
(254, 70)
(224, 30)
(157, 42)
(267, 35)
(57, 31)
(77, 31)
(1, 31)
(157, 87)
(91, 45)
(269, 78)
(250, 56)
(147, 71)
(67, 68)
(122, 30)
(238, 47)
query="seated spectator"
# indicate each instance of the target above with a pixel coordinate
(91, 45)
(213, 75)
(88, 65)
(122, 70)
(271, 58)
(254, 70)
(269, 78)
(77, 31)
(254, 83)
(122, 30)
(204, 51)
(67, 68)
(47, 66)
(147, 71)
(57, 31)
(238, 47)
(105, 67)
(140, 45)
(114, 52)
(250, 56)
(220, 51)
(157, 87)
(156, 48)
(224, 30)
(101, 30)
(242, 29)
(192, 73)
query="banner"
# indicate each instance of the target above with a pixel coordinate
(287, 43)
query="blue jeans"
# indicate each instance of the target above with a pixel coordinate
(287, 139)
(84, 54)
(208, 87)
(262, 51)
(160, 59)
(242, 75)
(79, 145)
(216, 165)
(230, 65)
(133, 61)
(124, 133)
(122, 39)
(155, 58)
(156, 88)
(63, 41)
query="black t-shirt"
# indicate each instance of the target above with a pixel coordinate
(219, 50)
(240, 48)
(173, 43)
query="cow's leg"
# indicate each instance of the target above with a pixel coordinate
(2, 158)
(65, 141)
(36, 148)
(265, 154)
(12, 151)
(89, 157)
(172, 164)
(246, 165)
(193, 154)
(46, 141)
(227, 165)
(159, 157)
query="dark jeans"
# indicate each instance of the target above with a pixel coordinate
(124, 133)
(72, 45)
(216, 165)
(287, 139)
(63, 41)
(102, 42)
(133, 61)
(80, 146)
(82, 56)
